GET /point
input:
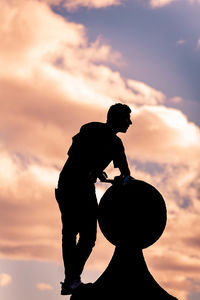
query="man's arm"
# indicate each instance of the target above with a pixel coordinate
(120, 160)
(123, 167)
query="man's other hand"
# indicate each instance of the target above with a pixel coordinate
(102, 176)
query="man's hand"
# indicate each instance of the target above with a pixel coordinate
(102, 176)
(122, 179)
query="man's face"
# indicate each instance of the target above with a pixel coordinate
(124, 123)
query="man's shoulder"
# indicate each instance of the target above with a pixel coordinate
(93, 127)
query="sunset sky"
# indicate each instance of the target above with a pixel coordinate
(62, 64)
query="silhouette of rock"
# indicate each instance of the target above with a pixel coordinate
(132, 217)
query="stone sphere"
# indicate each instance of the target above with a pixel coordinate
(132, 214)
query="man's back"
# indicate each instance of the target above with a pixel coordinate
(92, 149)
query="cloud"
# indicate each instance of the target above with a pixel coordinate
(180, 42)
(52, 80)
(44, 286)
(160, 3)
(5, 279)
(176, 99)
(145, 94)
(74, 4)
(198, 45)
(42, 80)
(170, 137)
(30, 217)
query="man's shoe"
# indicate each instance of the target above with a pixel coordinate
(67, 288)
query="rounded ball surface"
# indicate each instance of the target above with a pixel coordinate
(133, 213)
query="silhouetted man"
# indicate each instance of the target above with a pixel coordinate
(92, 149)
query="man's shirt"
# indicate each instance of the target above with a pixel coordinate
(92, 150)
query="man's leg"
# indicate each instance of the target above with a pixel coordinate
(68, 250)
(84, 222)
(69, 234)
(85, 245)
(87, 229)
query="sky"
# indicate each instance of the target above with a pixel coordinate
(62, 64)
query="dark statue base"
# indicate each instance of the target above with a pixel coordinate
(126, 277)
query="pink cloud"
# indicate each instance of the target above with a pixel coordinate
(44, 286)
(47, 96)
(5, 279)
(74, 4)
(176, 99)
(160, 3)
(168, 134)
(181, 42)
(198, 44)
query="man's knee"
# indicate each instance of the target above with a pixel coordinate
(87, 243)
(91, 243)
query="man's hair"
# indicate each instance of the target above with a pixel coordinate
(117, 112)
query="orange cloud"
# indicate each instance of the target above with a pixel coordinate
(160, 3)
(51, 83)
(50, 55)
(145, 93)
(74, 4)
(44, 286)
(167, 136)
(5, 279)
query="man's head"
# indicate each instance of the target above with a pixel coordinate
(118, 117)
